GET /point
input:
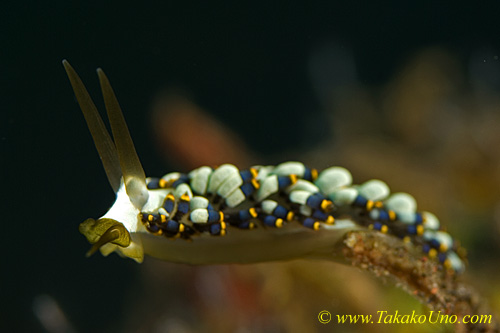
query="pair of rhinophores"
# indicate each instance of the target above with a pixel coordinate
(226, 215)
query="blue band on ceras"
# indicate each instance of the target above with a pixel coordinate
(322, 216)
(169, 203)
(183, 205)
(274, 214)
(285, 181)
(242, 219)
(248, 175)
(250, 183)
(310, 174)
(362, 202)
(318, 216)
(309, 222)
(172, 228)
(318, 201)
(153, 183)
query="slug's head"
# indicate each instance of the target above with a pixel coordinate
(115, 230)
(104, 231)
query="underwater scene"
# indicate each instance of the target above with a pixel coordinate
(260, 167)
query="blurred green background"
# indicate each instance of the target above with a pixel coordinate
(405, 92)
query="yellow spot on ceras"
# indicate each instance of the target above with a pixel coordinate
(181, 227)
(279, 223)
(254, 172)
(185, 197)
(255, 183)
(392, 215)
(369, 205)
(378, 204)
(316, 225)
(384, 229)
(314, 174)
(252, 212)
(330, 220)
(167, 183)
(420, 230)
(289, 216)
(432, 253)
(222, 228)
(326, 205)
(293, 179)
(163, 183)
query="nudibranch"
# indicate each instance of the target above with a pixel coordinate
(215, 215)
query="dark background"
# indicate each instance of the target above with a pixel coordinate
(246, 63)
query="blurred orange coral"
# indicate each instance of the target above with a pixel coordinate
(190, 137)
